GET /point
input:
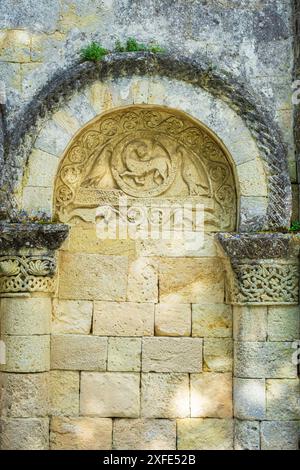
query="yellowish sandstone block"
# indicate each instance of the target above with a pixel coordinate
(144, 434)
(64, 393)
(26, 353)
(142, 281)
(205, 434)
(25, 316)
(72, 316)
(211, 320)
(124, 354)
(173, 319)
(211, 395)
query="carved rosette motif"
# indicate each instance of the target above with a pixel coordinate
(264, 283)
(146, 152)
(27, 274)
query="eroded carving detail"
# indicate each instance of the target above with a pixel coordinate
(27, 274)
(146, 152)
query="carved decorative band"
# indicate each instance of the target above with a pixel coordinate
(27, 274)
(265, 283)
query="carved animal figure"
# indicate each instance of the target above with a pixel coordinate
(194, 186)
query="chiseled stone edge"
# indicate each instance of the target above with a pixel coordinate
(15, 236)
(199, 73)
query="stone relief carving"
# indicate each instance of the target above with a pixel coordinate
(265, 283)
(27, 273)
(145, 152)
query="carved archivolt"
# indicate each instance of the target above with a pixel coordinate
(146, 152)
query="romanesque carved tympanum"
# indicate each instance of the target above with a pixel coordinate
(146, 152)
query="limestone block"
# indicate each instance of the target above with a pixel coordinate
(172, 320)
(84, 240)
(80, 433)
(252, 178)
(92, 277)
(283, 323)
(140, 91)
(24, 433)
(165, 395)
(123, 319)
(100, 97)
(144, 434)
(259, 360)
(246, 435)
(15, 45)
(279, 435)
(52, 139)
(172, 354)
(211, 320)
(142, 281)
(211, 395)
(205, 434)
(26, 353)
(24, 395)
(249, 398)
(249, 323)
(177, 248)
(72, 316)
(64, 119)
(217, 354)
(78, 352)
(37, 199)
(25, 316)
(110, 394)
(64, 392)
(80, 107)
(252, 211)
(191, 280)
(42, 168)
(124, 354)
(283, 399)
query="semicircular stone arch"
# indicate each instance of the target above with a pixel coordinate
(219, 120)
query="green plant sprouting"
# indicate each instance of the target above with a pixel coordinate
(95, 52)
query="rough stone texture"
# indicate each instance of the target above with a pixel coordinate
(283, 399)
(144, 434)
(124, 354)
(246, 435)
(256, 245)
(205, 434)
(24, 433)
(123, 319)
(23, 316)
(14, 236)
(283, 323)
(173, 320)
(92, 276)
(142, 281)
(279, 435)
(249, 398)
(26, 353)
(110, 394)
(217, 354)
(24, 395)
(260, 360)
(172, 355)
(165, 396)
(78, 352)
(72, 316)
(211, 320)
(64, 393)
(211, 395)
(80, 433)
(249, 323)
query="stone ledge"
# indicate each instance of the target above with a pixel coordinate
(14, 236)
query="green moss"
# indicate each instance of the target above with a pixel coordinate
(94, 52)
(295, 226)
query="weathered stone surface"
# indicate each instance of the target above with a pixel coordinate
(42, 169)
(123, 319)
(91, 276)
(78, 352)
(124, 354)
(23, 316)
(26, 353)
(144, 434)
(211, 395)
(211, 320)
(283, 399)
(249, 323)
(72, 316)
(172, 354)
(165, 395)
(194, 280)
(279, 435)
(24, 433)
(249, 398)
(24, 395)
(205, 434)
(80, 433)
(177, 248)
(217, 354)
(64, 392)
(246, 435)
(84, 239)
(260, 360)
(172, 320)
(110, 394)
(256, 245)
(142, 281)
(283, 323)
(18, 235)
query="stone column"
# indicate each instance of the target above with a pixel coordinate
(263, 289)
(27, 283)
